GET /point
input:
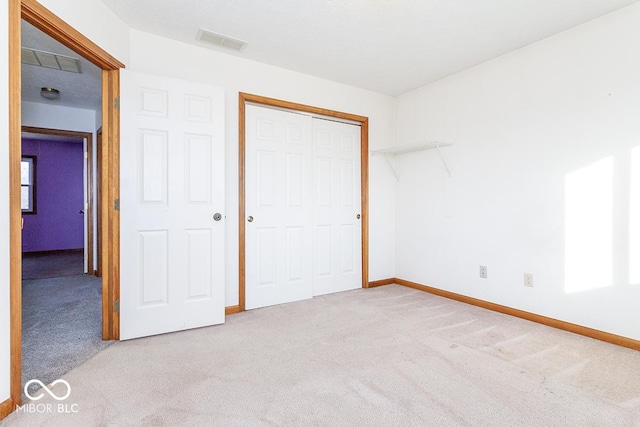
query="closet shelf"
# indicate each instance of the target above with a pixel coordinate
(404, 149)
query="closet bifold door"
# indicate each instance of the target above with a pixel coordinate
(337, 219)
(278, 206)
(303, 221)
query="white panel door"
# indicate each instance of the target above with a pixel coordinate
(337, 204)
(172, 187)
(279, 208)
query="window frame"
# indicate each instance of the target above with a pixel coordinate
(33, 186)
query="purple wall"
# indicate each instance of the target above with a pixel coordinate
(59, 196)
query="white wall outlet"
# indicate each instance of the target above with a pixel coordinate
(528, 280)
(483, 271)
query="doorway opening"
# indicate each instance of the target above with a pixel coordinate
(67, 170)
(61, 297)
(108, 257)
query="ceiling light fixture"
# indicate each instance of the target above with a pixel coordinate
(50, 93)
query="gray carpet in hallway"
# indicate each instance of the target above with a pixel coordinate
(61, 325)
(40, 265)
(388, 356)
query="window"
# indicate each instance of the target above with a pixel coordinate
(28, 183)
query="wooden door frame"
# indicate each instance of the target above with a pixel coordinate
(43, 19)
(88, 193)
(98, 196)
(245, 98)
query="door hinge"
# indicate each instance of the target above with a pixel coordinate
(116, 306)
(116, 205)
(116, 103)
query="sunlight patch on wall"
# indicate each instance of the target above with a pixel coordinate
(589, 227)
(634, 221)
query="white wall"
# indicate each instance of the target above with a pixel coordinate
(94, 20)
(542, 165)
(5, 389)
(162, 56)
(57, 117)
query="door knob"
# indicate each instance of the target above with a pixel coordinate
(358, 216)
(250, 219)
(217, 217)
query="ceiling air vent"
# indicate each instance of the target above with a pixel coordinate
(220, 40)
(41, 58)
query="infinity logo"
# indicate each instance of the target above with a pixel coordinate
(45, 388)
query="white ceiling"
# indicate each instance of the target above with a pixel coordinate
(82, 90)
(387, 46)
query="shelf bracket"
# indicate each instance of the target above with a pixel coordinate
(393, 169)
(444, 162)
(388, 152)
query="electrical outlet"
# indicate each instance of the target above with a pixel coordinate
(528, 280)
(483, 271)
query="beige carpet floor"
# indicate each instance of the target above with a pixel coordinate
(389, 356)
